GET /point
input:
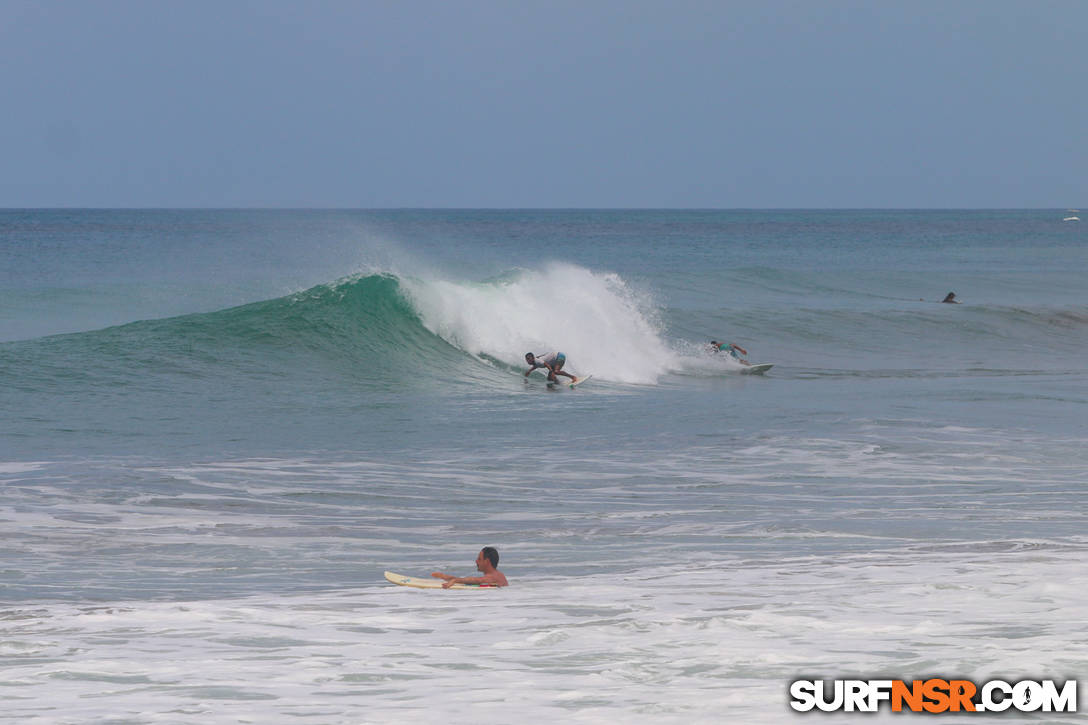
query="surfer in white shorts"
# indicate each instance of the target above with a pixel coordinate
(553, 361)
(731, 348)
(486, 561)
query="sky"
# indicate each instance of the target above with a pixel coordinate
(556, 104)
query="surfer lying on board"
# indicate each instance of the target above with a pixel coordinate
(486, 561)
(553, 361)
(951, 298)
(731, 348)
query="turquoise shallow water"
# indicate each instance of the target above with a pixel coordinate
(208, 413)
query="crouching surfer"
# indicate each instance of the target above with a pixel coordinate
(731, 348)
(486, 561)
(553, 361)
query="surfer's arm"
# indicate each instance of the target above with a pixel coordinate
(480, 580)
(440, 575)
(450, 581)
(739, 347)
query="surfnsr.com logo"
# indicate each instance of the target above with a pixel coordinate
(933, 695)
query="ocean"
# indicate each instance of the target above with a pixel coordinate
(219, 428)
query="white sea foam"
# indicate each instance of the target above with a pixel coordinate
(15, 467)
(604, 326)
(687, 586)
(717, 641)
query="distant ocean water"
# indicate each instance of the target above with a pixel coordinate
(220, 427)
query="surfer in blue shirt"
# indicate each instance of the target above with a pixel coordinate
(553, 361)
(731, 348)
(486, 561)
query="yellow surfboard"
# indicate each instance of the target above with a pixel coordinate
(429, 582)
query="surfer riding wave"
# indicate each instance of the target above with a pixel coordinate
(553, 361)
(731, 348)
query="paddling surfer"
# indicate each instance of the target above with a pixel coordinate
(486, 561)
(552, 361)
(950, 298)
(731, 348)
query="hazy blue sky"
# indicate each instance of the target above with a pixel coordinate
(607, 103)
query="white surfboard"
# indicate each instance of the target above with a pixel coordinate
(572, 384)
(756, 369)
(429, 582)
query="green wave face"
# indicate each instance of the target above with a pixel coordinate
(362, 330)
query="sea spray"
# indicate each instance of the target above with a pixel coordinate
(604, 326)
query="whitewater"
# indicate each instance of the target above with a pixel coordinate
(220, 427)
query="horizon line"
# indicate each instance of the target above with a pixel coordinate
(533, 208)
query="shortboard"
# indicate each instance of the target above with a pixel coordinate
(572, 384)
(757, 369)
(429, 582)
